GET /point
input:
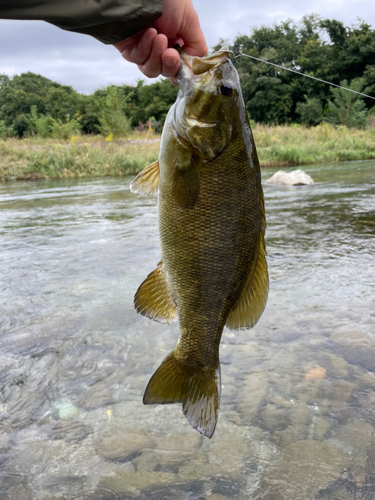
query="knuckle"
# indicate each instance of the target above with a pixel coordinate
(149, 72)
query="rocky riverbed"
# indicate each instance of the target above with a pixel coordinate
(297, 414)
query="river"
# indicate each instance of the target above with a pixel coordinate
(297, 416)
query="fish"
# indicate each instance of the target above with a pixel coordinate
(211, 220)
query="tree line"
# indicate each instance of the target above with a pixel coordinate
(323, 48)
(31, 104)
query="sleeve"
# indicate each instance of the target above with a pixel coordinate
(109, 21)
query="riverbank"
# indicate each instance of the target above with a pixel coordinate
(86, 156)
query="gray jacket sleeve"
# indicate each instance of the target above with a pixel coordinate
(109, 21)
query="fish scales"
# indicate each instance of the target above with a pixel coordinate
(216, 244)
(211, 224)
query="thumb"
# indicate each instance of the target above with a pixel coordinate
(193, 37)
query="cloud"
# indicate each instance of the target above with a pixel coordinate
(86, 64)
(68, 58)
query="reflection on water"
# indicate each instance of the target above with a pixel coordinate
(297, 415)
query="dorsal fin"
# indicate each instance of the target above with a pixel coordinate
(153, 299)
(147, 182)
(249, 308)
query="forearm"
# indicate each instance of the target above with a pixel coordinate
(110, 21)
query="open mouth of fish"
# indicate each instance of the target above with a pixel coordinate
(200, 65)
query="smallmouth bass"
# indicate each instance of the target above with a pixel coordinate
(212, 223)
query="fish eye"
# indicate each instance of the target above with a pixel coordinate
(226, 90)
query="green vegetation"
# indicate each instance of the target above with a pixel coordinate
(296, 120)
(80, 157)
(297, 145)
(33, 105)
(325, 49)
(37, 158)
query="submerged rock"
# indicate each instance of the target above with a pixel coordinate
(303, 469)
(65, 409)
(127, 482)
(320, 427)
(356, 348)
(355, 437)
(119, 443)
(294, 178)
(19, 492)
(253, 392)
(221, 456)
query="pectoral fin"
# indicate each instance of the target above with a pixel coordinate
(153, 299)
(147, 182)
(249, 308)
(186, 183)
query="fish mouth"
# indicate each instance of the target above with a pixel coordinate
(195, 66)
(200, 65)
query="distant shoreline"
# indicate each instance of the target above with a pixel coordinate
(92, 156)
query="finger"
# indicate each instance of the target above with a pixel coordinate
(137, 48)
(194, 41)
(152, 67)
(170, 63)
(141, 52)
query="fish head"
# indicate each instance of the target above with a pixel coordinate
(209, 102)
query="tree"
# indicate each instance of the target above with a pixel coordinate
(22, 93)
(151, 101)
(111, 104)
(347, 108)
(311, 111)
(275, 95)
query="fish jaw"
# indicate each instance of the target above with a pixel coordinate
(192, 67)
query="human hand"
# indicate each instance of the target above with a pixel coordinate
(151, 49)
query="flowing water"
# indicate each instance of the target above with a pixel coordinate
(297, 417)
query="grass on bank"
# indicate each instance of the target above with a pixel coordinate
(85, 156)
(296, 145)
(36, 158)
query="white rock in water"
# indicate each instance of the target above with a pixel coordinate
(294, 178)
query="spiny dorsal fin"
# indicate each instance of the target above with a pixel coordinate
(249, 308)
(153, 299)
(197, 389)
(186, 184)
(147, 182)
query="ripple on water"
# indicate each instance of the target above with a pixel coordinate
(297, 417)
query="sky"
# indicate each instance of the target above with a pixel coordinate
(86, 64)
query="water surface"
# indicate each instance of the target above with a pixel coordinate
(297, 417)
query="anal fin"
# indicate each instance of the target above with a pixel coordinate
(153, 299)
(147, 182)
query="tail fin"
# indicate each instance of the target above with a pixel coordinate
(197, 389)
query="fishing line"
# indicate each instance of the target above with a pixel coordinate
(302, 74)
